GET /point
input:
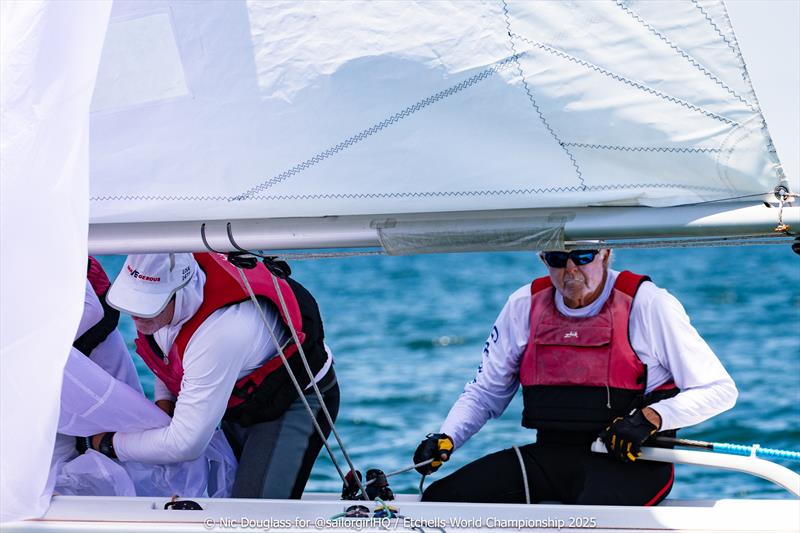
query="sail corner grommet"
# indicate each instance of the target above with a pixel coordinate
(781, 193)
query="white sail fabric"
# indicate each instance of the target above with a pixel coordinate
(237, 110)
(92, 401)
(770, 45)
(50, 53)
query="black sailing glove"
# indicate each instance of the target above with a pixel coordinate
(437, 446)
(82, 444)
(624, 437)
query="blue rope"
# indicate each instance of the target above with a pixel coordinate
(739, 449)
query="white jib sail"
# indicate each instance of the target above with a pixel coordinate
(314, 109)
(50, 53)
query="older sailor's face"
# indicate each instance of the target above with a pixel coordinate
(148, 326)
(579, 276)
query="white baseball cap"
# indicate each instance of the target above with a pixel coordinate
(147, 282)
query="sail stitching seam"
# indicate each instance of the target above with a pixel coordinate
(485, 192)
(533, 100)
(672, 149)
(734, 47)
(408, 111)
(626, 81)
(502, 192)
(545, 190)
(746, 78)
(717, 29)
(685, 55)
(506, 192)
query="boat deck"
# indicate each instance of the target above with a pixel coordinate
(316, 511)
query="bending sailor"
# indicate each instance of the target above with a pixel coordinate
(598, 353)
(215, 360)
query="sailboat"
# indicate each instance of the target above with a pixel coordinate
(390, 128)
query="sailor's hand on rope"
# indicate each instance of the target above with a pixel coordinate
(436, 448)
(624, 437)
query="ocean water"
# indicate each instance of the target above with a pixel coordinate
(407, 334)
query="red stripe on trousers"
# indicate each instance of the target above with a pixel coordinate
(664, 489)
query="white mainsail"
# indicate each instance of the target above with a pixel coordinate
(299, 111)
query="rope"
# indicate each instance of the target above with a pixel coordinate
(406, 469)
(302, 355)
(327, 255)
(696, 242)
(733, 449)
(524, 475)
(727, 199)
(738, 449)
(783, 196)
(296, 384)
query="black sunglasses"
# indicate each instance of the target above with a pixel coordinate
(579, 257)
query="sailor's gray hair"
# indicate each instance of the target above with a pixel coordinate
(610, 256)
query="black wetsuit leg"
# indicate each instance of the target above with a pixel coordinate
(564, 473)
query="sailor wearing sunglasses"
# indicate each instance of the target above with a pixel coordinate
(599, 353)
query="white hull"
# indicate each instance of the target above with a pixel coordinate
(96, 514)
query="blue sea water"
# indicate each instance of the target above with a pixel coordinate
(407, 333)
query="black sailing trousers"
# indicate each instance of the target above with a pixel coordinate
(566, 473)
(276, 457)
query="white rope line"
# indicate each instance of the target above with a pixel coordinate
(291, 374)
(327, 255)
(406, 469)
(524, 475)
(693, 242)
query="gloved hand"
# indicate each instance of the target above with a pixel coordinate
(436, 446)
(624, 437)
(82, 444)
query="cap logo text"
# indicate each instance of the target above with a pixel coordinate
(136, 274)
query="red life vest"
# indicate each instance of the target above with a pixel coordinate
(578, 374)
(97, 277)
(224, 287)
(99, 332)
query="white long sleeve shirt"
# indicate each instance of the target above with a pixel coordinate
(228, 345)
(111, 354)
(661, 335)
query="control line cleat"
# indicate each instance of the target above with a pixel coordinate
(350, 486)
(378, 485)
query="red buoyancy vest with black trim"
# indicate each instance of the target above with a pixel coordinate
(99, 332)
(578, 374)
(224, 287)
